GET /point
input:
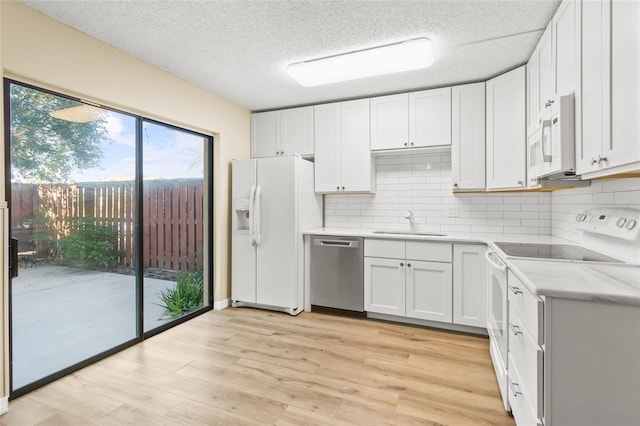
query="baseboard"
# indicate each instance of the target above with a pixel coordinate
(4, 405)
(221, 304)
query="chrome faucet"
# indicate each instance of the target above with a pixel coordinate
(412, 220)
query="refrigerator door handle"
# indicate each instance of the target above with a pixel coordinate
(258, 215)
(252, 210)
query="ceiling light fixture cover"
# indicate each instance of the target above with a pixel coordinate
(78, 114)
(389, 59)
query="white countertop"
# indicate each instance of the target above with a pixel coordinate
(459, 237)
(616, 283)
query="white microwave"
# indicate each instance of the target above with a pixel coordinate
(551, 143)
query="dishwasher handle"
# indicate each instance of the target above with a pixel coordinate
(336, 243)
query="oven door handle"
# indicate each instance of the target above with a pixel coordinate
(498, 266)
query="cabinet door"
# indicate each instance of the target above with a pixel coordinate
(296, 131)
(625, 84)
(327, 147)
(429, 291)
(265, 134)
(566, 46)
(469, 285)
(384, 288)
(356, 166)
(468, 136)
(389, 121)
(506, 139)
(430, 117)
(533, 94)
(596, 89)
(546, 74)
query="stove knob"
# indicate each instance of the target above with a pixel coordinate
(631, 223)
(620, 222)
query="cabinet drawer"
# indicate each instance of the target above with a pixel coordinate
(528, 306)
(394, 249)
(521, 408)
(432, 252)
(527, 356)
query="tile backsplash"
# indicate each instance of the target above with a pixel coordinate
(422, 183)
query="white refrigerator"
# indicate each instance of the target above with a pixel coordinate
(273, 201)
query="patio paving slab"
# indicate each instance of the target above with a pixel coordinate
(63, 315)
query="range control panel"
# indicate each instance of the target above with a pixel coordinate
(617, 223)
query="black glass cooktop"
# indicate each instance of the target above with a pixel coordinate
(553, 251)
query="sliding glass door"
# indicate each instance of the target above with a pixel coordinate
(174, 255)
(109, 218)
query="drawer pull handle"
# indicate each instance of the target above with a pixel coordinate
(515, 290)
(515, 388)
(515, 329)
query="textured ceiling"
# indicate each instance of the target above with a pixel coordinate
(239, 49)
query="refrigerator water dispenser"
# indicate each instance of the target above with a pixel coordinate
(241, 207)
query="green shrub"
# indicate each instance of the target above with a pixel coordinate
(90, 245)
(186, 295)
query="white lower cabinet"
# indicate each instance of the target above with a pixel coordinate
(469, 285)
(384, 290)
(434, 281)
(572, 362)
(428, 290)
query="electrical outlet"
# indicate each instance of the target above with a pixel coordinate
(454, 212)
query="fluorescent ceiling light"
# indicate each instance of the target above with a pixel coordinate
(78, 114)
(392, 58)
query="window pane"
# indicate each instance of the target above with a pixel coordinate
(173, 210)
(72, 212)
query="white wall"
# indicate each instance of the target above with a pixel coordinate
(422, 183)
(566, 204)
(39, 50)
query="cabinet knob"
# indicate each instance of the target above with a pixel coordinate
(548, 103)
(338, 188)
(602, 159)
(455, 185)
(409, 265)
(593, 161)
(411, 143)
(515, 290)
(343, 188)
(405, 144)
(401, 264)
(520, 183)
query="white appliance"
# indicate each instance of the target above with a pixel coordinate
(497, 320)
(273, 202)
(551, 141)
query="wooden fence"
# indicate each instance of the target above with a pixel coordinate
(172, 218)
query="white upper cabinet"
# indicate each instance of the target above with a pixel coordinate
(566, 48)
(546, 84)
(343, 161)
(389, 121)
(506, 133)
(468, 136)
(411, 120)
(610, 140)
(430, 117)
(265, 132)
(283, 132)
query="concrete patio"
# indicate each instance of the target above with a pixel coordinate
(63, 315)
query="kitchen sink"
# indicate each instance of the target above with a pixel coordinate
(426, 233)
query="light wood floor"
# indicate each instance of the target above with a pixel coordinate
(245, 366)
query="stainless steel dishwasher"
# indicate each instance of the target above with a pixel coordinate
(337, 272)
